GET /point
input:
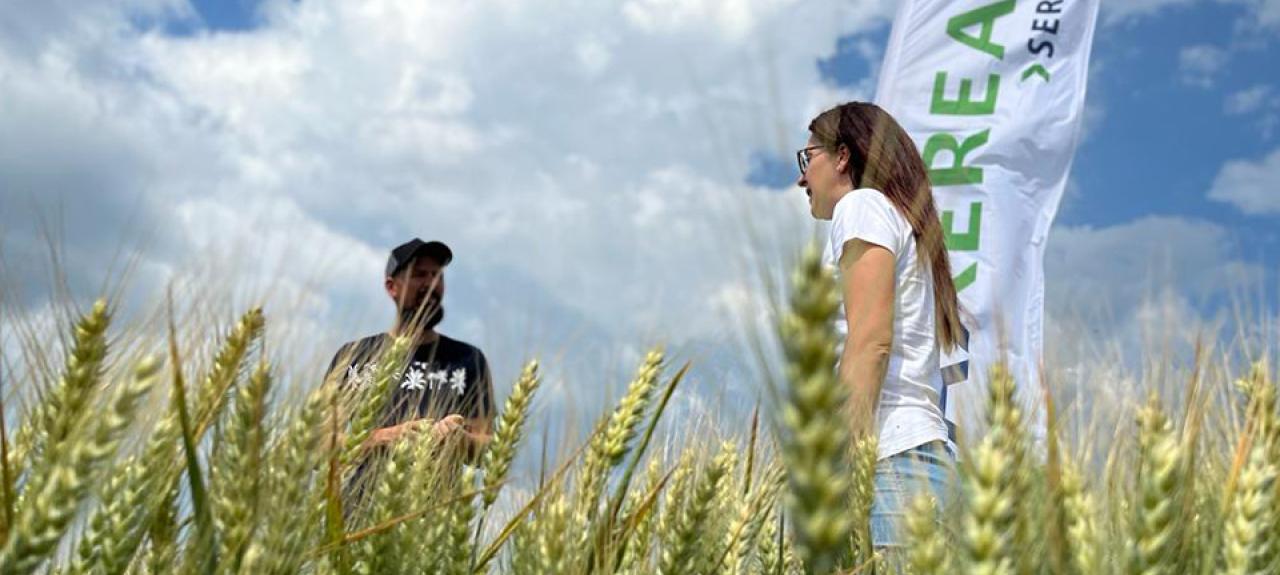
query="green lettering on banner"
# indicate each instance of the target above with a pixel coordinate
(967, 241)
(963, 105)
(986, 16)
(958, 174)
(966, 277)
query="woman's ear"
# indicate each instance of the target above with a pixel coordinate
(842, 159)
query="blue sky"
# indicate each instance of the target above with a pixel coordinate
(226, 15)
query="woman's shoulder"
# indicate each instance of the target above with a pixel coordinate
(868, 196)
(867, 204)
(866, 214)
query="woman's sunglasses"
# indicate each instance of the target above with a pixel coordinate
(804, 155)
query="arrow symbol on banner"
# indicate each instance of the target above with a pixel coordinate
(1036, 70)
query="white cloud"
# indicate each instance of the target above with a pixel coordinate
(1248, 100)
(1261, 14)
(1269, 13)
(1200, 65)
(1119, 297)
(584, 159)
(1129, 10)
(1111, 270)
(1253, 187)
(1259, 102)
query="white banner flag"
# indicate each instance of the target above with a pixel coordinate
(992, 93)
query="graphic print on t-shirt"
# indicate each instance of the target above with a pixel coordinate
(444, 377)
(418, 376)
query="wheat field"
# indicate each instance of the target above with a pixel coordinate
(149, 461)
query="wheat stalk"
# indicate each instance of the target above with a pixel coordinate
(682, 552)
(54, 495)
(1156, 534)
(372, 400)
(236, 468)
(927, 553)
(508, 433)
(815, 438)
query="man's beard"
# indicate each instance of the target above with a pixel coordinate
(425, 317)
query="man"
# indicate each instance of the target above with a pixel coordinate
(446, 389)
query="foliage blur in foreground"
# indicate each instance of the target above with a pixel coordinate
(222, 479)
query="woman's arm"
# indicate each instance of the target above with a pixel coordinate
(867, 283)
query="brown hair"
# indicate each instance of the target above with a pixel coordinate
(882, 156)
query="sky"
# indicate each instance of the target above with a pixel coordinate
(610, 175)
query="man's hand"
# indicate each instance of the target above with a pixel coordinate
(439, 429)
(446, 426)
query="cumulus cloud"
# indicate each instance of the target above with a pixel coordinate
(1200, 65)
(1120, 296)
(585, 160)
(1251, 186)
(1113, 268)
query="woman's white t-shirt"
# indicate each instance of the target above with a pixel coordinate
(909, 414)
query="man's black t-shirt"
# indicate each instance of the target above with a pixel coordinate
(444, 377)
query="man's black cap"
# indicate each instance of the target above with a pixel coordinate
(408, 251)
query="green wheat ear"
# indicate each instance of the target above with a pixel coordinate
(73, 465)
(610, 444)
(1248, 546)
(236, 488)
(372, 401)
(683, 555)
(509, 432)
(1156, 532)
(1080, 509)
(1252, 512)
(988, 524)
(928, 553)
(814, 436)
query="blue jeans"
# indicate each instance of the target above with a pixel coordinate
(899, 478)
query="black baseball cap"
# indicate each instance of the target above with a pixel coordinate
(408, 251)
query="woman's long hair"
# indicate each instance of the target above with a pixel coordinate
(882, 156)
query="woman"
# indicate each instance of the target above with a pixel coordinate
(862, 172)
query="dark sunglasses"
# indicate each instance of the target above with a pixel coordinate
(803, 156)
